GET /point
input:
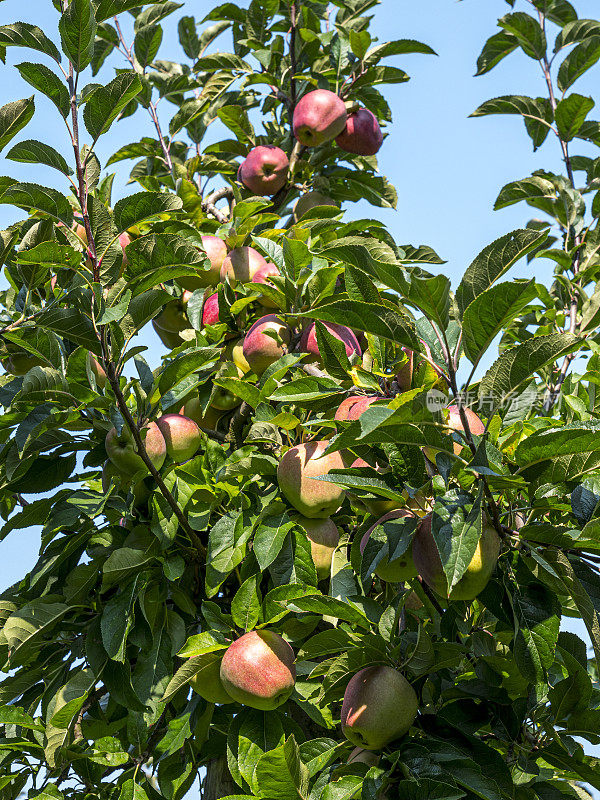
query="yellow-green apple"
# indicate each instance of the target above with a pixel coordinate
(379, 706)
(224, 400)
(429, 564)
(319, 116)
(172, 320)
(207, 681)
(308, 340)
(296, 474)
(207, 420)
(324, 537)
(398, 569)
(182, 436)
(362, 134)
(354, 406)
(19, 363)
(266, 341)
(241, 264)
(97, 370)
(122, 450)
(239, 359)
(216, 250)
(141, 492)
(260, 276)
(264, 170)
(310, 200)
(404, 374)
(258, 670)
(210, 310)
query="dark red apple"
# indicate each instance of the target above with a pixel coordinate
(264, 170)
(362, 134)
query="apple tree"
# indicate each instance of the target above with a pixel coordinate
(297, 541)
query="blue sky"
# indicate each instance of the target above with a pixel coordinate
(447, 168)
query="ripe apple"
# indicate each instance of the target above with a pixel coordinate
(97, 370)
(260, 276)
(308, 340)
(379, 706)
(454, 422)
(362, 134)
(399, 569)
(193, 410)
(324, 537)
(258, 670)
(182, 436)
(121, 449)
(264, 170)
(429, 564)
(124, 240)
(141, 492)
(354, 406)
(216, 250)
(207, 681)
(265, 342)
(319, 116)
(296, 472)
(241, 264)
(311, 200)
(210, 310)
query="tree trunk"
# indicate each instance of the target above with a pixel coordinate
(218, 782)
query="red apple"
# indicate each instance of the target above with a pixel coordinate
(264, 170)
(260, 276)
(319, 116)
(216, 250)
(258, 670)
(210, 310)
(354, 406)
(266, 342)
(182, 436)
(241, 264)
(308, 340)
(362, 134)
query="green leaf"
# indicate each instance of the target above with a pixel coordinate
(161, 257)
(577, 30)
(12, 715)
(532, 188)
(370, 318)
(106, 102)
(570, 114)
(72, 324)
(186, 364)
(491, 312)
(432, 297)
(77, 28)
(521, 362)
(237, 120)
(34, 152)
(22, 34)
(280, 773)
(527, 31)
(48, 82)
(13, 117)
(246, 604)
(528, 107)
(116, 622)
(188, 37)
(111, 8)
(50, 255)
(205, 642)
(494, 50)
(579, 60)
(26, 628)
(576, 438)
(41, 198)
(456, 535)
(537, 613)
(123, 562)
(143, 206)
(493, 261)
(147, 43)
(69, 699)
(269, 538)
(399, 47)
(332, 353)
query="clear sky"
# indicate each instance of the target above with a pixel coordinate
(447, 168)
